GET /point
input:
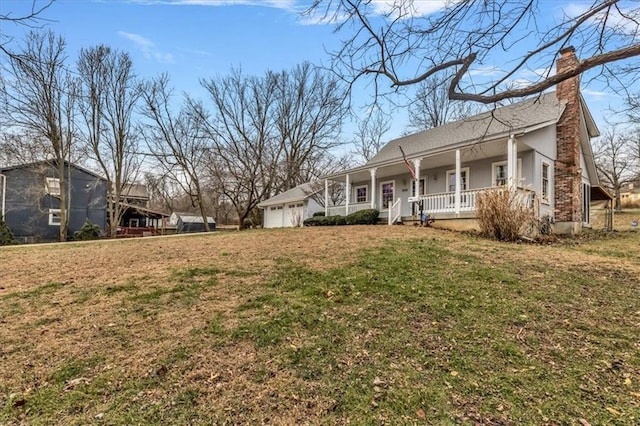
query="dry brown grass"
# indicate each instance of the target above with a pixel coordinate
(89, 303)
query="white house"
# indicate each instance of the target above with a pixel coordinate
(292, 207)
(539, 146)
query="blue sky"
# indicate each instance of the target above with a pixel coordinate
(192, 39)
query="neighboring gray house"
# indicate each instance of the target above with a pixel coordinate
(31, 201)
(539, 147)
(292, 207)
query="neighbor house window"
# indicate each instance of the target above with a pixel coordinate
(545, 182)
(361, 193)
(387, 194)
(499, 173)
(54, 217)
(53, 186)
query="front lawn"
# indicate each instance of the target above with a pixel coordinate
(355, 324)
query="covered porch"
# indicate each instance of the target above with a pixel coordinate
(443, 184)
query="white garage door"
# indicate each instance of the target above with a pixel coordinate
(293, 215)
(273, 217)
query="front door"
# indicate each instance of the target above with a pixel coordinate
(387, 193)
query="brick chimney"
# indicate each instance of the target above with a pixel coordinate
(567, 171)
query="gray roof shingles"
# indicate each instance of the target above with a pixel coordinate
(543, 109)
(299, 193)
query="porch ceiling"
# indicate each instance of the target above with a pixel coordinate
(478, 151)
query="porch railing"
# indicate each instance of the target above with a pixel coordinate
(445, 202)
(394, 212)
(342, 211)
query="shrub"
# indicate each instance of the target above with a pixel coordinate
(6, 236)
(363, 217)
(89, 231)
(503, 215)
(316, 214)
(339, 220)
(325, 221)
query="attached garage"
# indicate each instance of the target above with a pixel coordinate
(291, 208)
(273, 216)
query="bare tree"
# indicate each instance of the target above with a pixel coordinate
(432, 106)
(176, 141)
(309, 112)
(38, 97)
(29, 16)
(370, 133)
(244, 155)
(405, 44)
(20, 147)
(109, 96)
(614, 160)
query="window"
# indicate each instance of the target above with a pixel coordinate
(451, 179)
(386, 188)
(586, 202)
(423, 187)
(54, 217)
(134, 223)
(545, 182)
(362, 194)
(53, 186)
(499, 173)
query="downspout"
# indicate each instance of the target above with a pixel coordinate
(4, 192)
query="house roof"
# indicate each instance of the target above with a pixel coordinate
(299, 193)
(51, 162)
(145, 211)
(189, 218)
(529, 114)
(135, 190)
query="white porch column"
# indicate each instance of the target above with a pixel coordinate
(458, 183)
(347, 194)
(416, 167)
(512, 162)
(326, 197)
(373, 187)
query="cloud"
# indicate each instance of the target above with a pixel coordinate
(489, 71)
(599, 93)
(412, 9)
(277, 4)
(148, 48)
(197, 52)
(622, 20)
